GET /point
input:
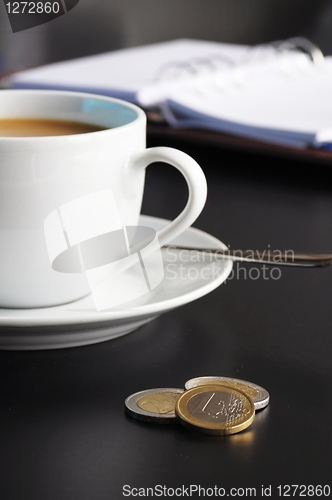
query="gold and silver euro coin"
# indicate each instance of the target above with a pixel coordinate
(259, 395)
(215, 409)
(154, 405)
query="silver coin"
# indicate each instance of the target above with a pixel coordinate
(154, 405)
(259, 395)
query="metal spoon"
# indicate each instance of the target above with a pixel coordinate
(273, 258)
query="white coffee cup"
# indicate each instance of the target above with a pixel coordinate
(40, 174)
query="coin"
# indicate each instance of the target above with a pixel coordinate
(153, 405)
(215, 409)
(259, 395)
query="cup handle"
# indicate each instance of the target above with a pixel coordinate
(196, 182)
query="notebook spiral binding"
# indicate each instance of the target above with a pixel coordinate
(215, 64)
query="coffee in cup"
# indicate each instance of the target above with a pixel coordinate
(39, 175)
(36, 127)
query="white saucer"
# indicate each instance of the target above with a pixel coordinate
(78, 323)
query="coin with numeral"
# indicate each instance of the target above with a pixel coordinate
(259, 395)
(153, 405)
(215, 409)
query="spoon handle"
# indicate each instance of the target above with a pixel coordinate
(273, 258)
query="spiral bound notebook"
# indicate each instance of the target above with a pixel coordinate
(271, 93)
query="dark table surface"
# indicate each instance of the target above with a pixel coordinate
(64, 433)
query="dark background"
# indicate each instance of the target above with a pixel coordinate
(95, 26)
(64, 433)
